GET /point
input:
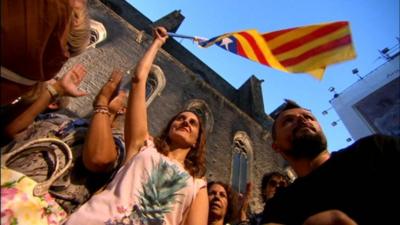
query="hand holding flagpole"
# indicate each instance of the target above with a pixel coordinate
(194, 38)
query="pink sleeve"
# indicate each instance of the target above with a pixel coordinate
(199, 184)
(148, 143)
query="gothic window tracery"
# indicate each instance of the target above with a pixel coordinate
(155, 84)
(242, 155)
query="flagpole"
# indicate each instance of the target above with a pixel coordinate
(180, 35)
(194, 38)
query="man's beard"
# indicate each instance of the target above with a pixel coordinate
(308, 146)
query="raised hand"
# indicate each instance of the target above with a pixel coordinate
(104, 97)
(117, 104)
(100, 154)
(160, 34)
(244, 201)
(70, 81)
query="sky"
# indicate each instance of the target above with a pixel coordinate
(374, 26)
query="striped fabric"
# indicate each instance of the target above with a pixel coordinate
(306, 49)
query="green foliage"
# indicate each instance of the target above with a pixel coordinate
(160, 192)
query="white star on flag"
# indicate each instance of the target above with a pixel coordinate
(225, 42)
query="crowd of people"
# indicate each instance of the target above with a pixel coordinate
(122, 174)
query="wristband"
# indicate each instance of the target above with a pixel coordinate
(53, 93)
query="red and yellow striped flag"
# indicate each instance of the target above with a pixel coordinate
(306, 49)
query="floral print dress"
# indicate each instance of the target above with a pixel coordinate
(149, 189)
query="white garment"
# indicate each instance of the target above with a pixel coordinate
(149, 189)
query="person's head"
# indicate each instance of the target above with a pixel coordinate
(44, 47)
(296, 133)
(185, 130)
(270, 184)
(220, 201)
(79, 28)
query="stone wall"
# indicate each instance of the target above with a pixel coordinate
(124, 46)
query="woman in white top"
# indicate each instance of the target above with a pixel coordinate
(161, 182)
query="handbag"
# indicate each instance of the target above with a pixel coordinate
(26, 201)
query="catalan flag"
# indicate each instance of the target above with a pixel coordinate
(307, 49)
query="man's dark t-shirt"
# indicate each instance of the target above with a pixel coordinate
(361, 180)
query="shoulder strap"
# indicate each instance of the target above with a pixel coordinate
(11, 76)
(43, 187)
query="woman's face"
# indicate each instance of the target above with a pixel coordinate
(184, 130)
(218, 201)
(273, 184)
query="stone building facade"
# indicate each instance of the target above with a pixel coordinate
(238, 144)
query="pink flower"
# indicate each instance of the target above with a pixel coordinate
(61, 213)
(121, 209)
(7, 194)
(52, 219)
(48, 198)
(7, 216)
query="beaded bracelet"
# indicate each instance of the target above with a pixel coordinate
(102, 110)
(100, 106)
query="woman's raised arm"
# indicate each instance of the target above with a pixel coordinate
(136, 131)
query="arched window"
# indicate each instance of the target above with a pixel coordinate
(202, 109)
(155, 84)
(242, 157)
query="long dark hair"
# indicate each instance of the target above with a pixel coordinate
(195, 159)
